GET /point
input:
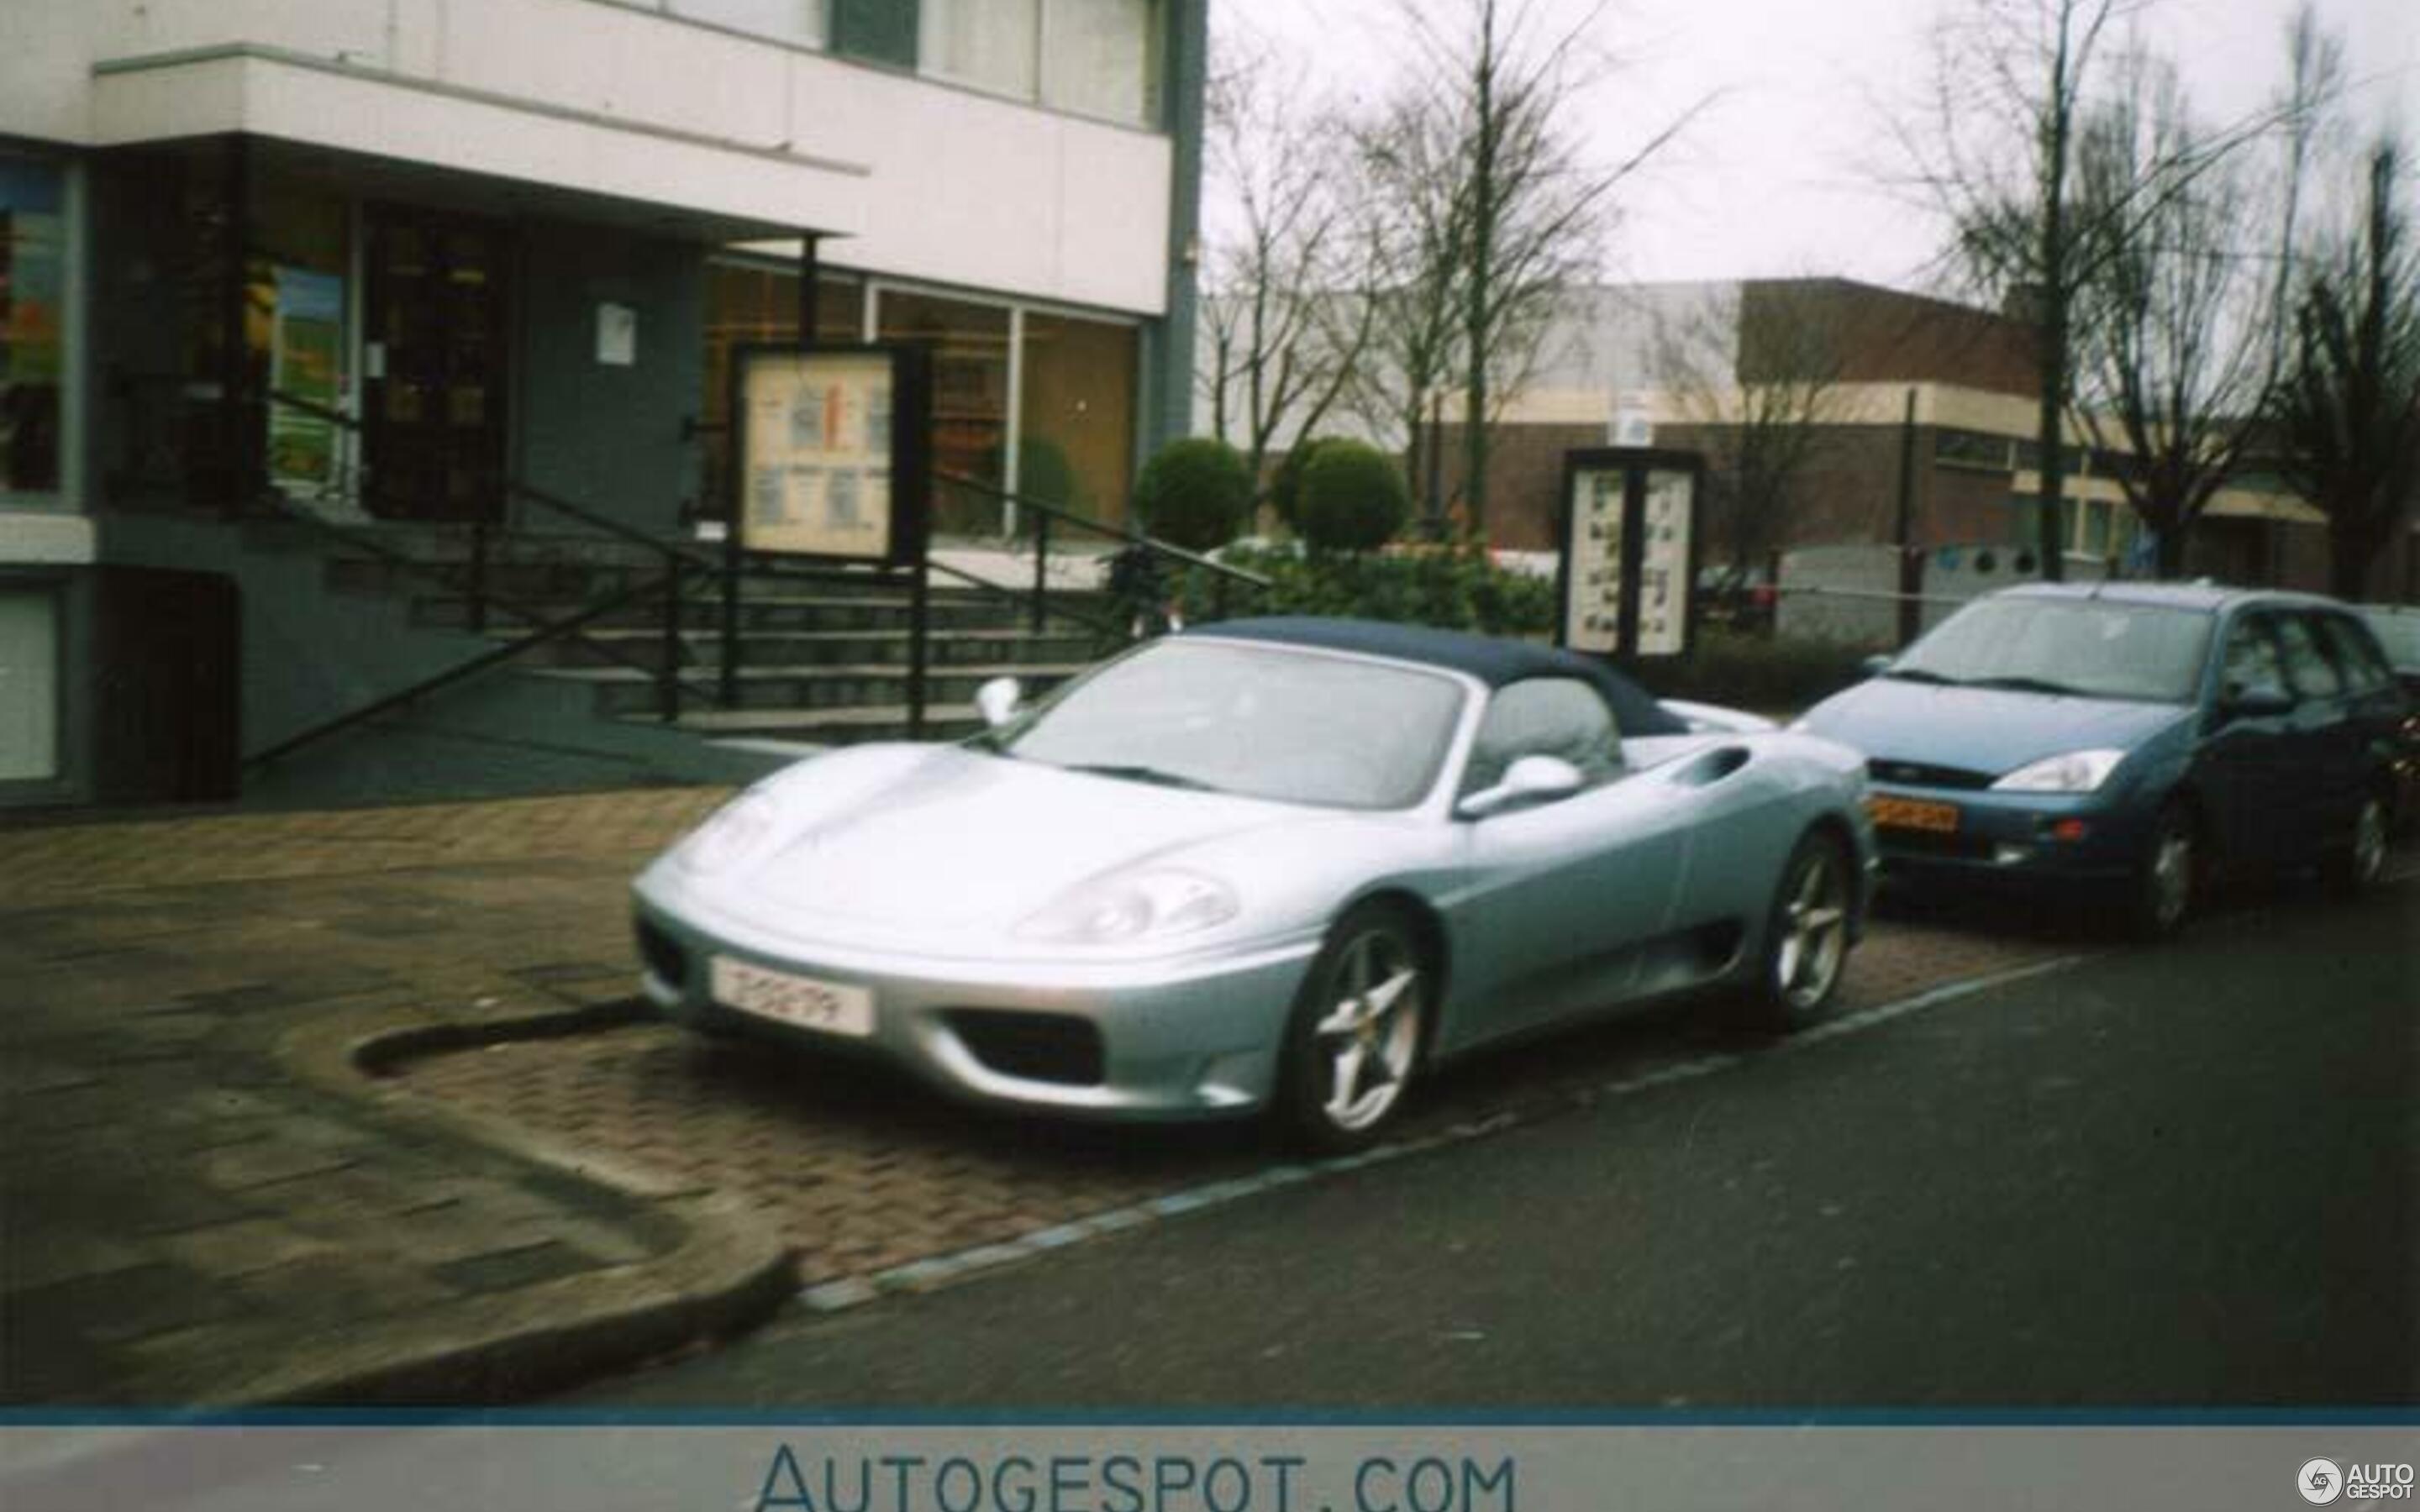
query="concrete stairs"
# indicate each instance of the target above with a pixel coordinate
(823, 660)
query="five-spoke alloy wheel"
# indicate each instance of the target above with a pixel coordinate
(1806, 935)
(1356, 1031)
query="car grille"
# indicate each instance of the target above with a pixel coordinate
(663, 955)
(1034, 1047)
(1925, 775)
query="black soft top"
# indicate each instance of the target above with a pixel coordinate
(1491, 661)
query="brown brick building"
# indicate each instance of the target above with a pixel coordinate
(1901, 387)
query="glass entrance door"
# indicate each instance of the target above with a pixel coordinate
(434, 380)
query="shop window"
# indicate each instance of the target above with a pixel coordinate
(971, 352)
(748, 303)
(1076, 436)
(299, 252)
(1102, 57)
(988, 43)
(790, 21)
(29, 683)
(33, 323)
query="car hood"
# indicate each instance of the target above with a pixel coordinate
(1987, 730)
(939, 839)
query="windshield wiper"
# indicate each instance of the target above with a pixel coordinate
(1917, 674)
(2028, 684)
(1159, 776)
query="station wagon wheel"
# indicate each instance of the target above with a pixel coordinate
(2166, 874)
(1355, 1039)
(2363, 856)
(1807, 934)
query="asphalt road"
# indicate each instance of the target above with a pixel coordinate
(2176, 1177)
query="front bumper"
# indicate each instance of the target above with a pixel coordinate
(1196, 1036)
(2016, 836)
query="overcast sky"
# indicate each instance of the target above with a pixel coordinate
(1775, 178)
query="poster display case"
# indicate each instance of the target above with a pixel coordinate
(1629, 551)
(832, 451)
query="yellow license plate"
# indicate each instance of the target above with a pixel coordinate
(1914, 813)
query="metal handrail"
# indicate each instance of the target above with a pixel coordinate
(552, 630)
(1098, 627)
(1115, 533)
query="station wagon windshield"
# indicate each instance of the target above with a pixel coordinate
(2090, 648)
(1292, 726)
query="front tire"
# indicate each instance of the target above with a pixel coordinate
(2167, 877)
(1356, 1036)
(1806, 935)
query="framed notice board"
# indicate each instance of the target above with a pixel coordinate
(1630, 529)
(832, 448)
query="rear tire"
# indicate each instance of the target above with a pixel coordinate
(2356, 867)
(1359, 1024)
(1806, 935)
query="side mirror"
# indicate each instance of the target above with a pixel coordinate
(2239, 702)
(1875, 664)
(1531, 780)
(997, 701)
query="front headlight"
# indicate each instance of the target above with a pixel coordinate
(1135, 906)
(2077, 771)
(729, 834)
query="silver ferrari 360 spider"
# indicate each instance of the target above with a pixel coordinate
(1277, 864)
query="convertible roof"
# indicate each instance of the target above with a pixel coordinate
(1491, 661)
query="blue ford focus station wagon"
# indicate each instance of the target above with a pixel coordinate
(2130, 738)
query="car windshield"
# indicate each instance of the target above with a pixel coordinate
(1295, 726)
(2091, 648)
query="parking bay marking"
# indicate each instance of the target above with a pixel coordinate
(845, 1292)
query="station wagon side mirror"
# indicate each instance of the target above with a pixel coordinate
(1875, 664)
(1530, 779)
(997, 701)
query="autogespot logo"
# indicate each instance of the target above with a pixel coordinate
(2319, 1481)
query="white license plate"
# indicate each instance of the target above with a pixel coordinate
(832, 1007)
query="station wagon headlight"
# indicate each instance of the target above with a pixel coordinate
(728, 834)
(2076, 771)
(1134, 906)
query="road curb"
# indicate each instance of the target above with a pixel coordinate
(726, 1272)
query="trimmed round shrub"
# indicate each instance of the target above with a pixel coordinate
(1194, 493)
(1285, 483)
(1351, 498)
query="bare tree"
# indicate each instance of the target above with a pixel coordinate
(1408, 238)
(1758, 370)
(2348, 407)
(1996, 151)
(1496, 82)
(2173, 339)
(1280, 345)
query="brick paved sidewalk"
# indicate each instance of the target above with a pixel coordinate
(199, 1204)
(202, 1198)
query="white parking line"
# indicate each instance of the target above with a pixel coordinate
(940, 1270)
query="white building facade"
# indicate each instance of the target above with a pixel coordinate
(408, 261)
